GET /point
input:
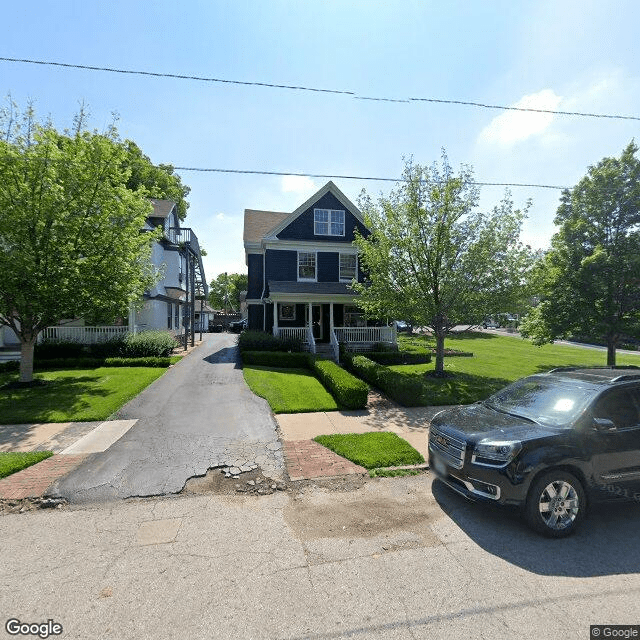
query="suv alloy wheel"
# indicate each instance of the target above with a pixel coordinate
(556, 504)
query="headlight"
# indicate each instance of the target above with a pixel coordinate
(496, 451)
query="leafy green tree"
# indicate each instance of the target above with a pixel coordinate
(69, 227)
(434, 258)
(589, 281)
(224, 290)
(160, 181)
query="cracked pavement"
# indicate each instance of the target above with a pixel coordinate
(199, 415)
(398, 558)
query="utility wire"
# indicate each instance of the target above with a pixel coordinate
(258, 172)
(581, 114)
(344, 177)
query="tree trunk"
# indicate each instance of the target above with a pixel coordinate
(26, 359)
(612, 342)
(439, 370)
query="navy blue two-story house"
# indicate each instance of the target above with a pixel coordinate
(301, 266)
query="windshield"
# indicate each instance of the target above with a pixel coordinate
(543, 400)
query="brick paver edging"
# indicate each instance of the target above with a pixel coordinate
(33, 481)
(308, 460)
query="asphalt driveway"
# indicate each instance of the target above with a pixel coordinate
(198, 415)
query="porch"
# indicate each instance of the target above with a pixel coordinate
(323, 326)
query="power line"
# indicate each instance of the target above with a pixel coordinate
(582, 114)
(345, 177)
(298, 174)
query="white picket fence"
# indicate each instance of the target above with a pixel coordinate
(82, 335)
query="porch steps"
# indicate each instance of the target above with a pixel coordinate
(325, 351)
(8, 354)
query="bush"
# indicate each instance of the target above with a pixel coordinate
(155, 344)
(261, 341)
(54, 348)
(404, 389)
(349, 391)
(150, 361)
(399, 357)
(9, 366)
(113, 347)
(278, 359)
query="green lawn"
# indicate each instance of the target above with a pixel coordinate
(74, 395)
(372, 450)
(289, 390)
(12, 462)
(497, 361)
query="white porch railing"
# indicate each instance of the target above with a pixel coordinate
(335, 345)
(295, 333)
(82, 335)
(366, 334)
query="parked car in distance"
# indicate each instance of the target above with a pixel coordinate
(403, 326)
(551, 444)
(490, 323)
(215, 328)
(238, 325)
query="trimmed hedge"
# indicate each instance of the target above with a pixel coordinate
(402, 388)
(87, 363)
(349, 391)
(398, 357)
(278, 359)
(261, 341)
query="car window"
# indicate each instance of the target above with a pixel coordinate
(542, 400)
(620, 407)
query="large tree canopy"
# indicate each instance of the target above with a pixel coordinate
(160, 181)
(433, 258)
(225, 289)
(589, 281)
(70, 229)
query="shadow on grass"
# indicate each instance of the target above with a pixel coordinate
(470, 335)
(462, 388)
(68, 395)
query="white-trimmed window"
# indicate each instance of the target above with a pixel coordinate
(348, 266)
(306, 266)
(286, 311)
(328, 222)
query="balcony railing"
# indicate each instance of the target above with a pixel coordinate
(295, 333)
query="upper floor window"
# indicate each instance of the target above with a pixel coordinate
(347, 266)
(328, 222)
(306, 266)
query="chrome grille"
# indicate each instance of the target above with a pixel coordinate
(449, 448)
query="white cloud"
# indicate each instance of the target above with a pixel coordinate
(298, 184)
(220, 216)
(514, 126)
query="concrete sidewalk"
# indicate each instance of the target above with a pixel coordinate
(308, 460)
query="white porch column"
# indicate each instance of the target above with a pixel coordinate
(275, 318)
(132, 318)
(330, 318)
(309, 318)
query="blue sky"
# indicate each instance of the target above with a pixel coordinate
(575, 56)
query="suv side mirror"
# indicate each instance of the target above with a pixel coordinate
(604, 425)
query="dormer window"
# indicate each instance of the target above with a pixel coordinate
(328, 222)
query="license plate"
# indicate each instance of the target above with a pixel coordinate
(439, 466)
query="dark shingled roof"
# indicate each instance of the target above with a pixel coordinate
(332, 288)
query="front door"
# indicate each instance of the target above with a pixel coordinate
(316, 321)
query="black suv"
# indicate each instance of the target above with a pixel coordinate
(548, 443)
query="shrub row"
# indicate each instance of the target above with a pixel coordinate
(405, 389)
(349, 391)
(146, 344)
(87, 363)
(277, 359)
(398, 357)
(261, 341)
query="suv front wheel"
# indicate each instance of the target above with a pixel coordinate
(556, 504)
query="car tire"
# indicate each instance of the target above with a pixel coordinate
(556, 504)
